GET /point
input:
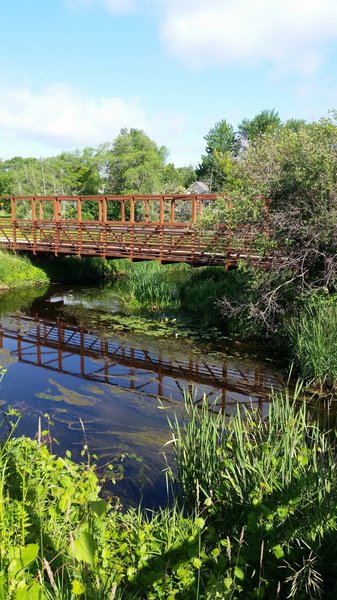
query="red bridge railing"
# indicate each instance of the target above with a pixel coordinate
(146, 227)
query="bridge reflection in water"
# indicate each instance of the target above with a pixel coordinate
(76, 351)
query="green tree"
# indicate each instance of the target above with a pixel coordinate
(135, 164)
(251, 129)
(176, 180)
(222, 146)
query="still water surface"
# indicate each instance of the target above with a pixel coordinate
(72, 354)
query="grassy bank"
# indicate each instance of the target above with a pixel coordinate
(17, 271)
(255, 517)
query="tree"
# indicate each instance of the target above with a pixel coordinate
(222, 145)
(135, 164)
(251, 129)
(176, 180)
(296, 169)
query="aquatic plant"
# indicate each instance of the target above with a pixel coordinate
(258, 518)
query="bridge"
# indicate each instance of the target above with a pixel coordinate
(146, 227)
(137, 368)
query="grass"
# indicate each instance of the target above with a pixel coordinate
(155, 287)
(313, 339)
(268, 488)
(17, 271)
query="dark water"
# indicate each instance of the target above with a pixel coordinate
(110, 381)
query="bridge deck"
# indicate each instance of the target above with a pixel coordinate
(135, 227)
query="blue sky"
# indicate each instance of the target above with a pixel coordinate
(74, 72)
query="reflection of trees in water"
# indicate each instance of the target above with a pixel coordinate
(21, 299)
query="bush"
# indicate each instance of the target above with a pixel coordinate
(59, 540)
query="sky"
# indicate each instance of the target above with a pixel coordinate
(74, 72)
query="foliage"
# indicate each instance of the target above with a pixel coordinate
(135, 164)
(60, 540)
(259, 516)
(16, 271)
(294, 166)
(251, 129)
(155, 287)
(312, 334)
(69, 173)
(151, 285)
(267, 489)
(222, 143)
(132, 163)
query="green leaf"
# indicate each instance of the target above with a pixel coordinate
(197, 563)
(77, 588)
(99, 507)
(29, 592)
(22, 558)
(278, 551)
(84, 547)
(239, 574)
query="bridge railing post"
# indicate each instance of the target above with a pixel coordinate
(14, 225)
(172, 211)
(33, 202)
(79, 225)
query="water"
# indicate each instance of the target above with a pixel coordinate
(109, 380)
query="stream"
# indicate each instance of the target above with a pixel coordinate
(92, 375)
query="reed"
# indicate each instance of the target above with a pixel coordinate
(313, 336)
(268, 486)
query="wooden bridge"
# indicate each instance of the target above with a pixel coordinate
(134, 227)
(76, 351)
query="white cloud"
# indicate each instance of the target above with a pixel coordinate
(62, 116)
(220, 32)
(288, 34)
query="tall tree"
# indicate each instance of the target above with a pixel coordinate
(251, 129)
(221, 145)
(135, 164)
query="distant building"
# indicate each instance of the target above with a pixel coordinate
(198, 187)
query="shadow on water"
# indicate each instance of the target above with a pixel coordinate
(68, 356)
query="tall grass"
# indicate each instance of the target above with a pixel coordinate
(258, 517)
(269, 488)
(59, 540)
(154, 286)
(149, 285)
(313, 335)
